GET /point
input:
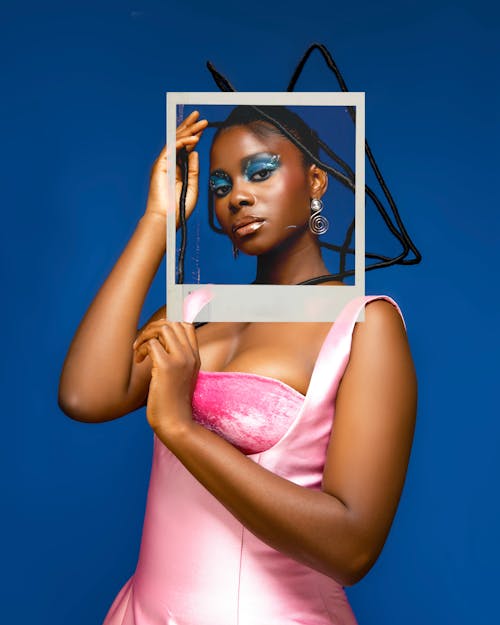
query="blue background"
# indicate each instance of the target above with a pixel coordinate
(82, 118)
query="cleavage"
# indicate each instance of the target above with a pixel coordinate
(283, 351)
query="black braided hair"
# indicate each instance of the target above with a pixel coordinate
(182, 158)
(303, 137)
(252, 117)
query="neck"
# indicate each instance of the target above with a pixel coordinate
(297, 260)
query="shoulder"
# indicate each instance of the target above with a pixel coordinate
(383, 317)
(384, 309)
(380, 359)
(380, 347)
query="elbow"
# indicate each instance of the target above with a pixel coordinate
(71, 399)
(86, 402)
(358, 565)
(351, 572)
(349, 566)
(73, 408)
(79, 409)
(355, 573)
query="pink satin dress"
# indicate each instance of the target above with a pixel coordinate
(198, 565)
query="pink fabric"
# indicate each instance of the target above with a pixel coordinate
(251, 421)
(197, 564)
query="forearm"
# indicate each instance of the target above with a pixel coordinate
(310, 526)
(96, 372)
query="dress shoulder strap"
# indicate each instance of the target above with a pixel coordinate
(335, 351)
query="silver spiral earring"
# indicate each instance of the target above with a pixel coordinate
(236, 251)
(318, 224)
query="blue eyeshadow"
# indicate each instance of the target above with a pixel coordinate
(219, 180)
(264, 162)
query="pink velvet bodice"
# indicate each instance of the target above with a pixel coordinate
(198, 565)
(250, 411)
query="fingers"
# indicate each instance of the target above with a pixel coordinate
(191, 122)
(193, 165)
(192, 337)
(193, 129)
(186, 142)
(189, 131)
(155, 351)
(193, 172)
(172, 338)
(155, 330)
(192, 117)
(187, 135)
(184, 343)
(172, 349)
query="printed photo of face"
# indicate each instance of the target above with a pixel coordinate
(261, 189)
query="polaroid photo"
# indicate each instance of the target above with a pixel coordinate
(253, 193)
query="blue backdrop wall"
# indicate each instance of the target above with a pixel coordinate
(82, 118)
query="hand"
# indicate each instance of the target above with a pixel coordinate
(173, 349)
(187, 136)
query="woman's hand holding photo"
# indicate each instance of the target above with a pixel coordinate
(188, 134)
(173, 349)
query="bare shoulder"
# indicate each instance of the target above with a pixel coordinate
(381, 314)
(380, 348)
(381, 335)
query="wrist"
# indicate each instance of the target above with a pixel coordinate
(153, 226)
(150, 215)
(176, 435)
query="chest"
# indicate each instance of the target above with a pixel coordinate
(283, 351)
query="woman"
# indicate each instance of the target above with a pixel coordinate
(258, 510)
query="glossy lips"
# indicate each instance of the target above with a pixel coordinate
(247, 225)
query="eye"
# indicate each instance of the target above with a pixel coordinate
(220, 184)
(261, 167)
(262, 174)
(221, 190)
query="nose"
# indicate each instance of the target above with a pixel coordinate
(240, 196)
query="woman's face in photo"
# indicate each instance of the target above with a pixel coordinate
(260, 188)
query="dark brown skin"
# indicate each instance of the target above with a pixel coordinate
(340, 530)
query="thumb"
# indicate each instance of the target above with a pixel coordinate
(192, 186)
(193, 166)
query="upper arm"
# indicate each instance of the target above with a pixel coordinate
(140, 373)
(373, 429)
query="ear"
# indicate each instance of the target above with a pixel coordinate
(318, 181)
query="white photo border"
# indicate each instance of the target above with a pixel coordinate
(268, 302)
